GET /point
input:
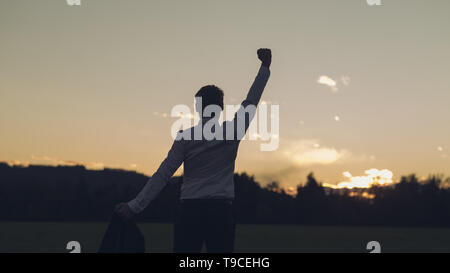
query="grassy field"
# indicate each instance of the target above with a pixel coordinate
(53, 237)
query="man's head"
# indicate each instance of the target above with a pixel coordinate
(210, 95)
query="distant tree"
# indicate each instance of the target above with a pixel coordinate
(46, 193)
(273, 186)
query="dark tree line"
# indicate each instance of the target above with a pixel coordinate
(45, 193)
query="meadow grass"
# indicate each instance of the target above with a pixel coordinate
(53, 237)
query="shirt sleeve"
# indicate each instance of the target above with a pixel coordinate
(159, 179)
(257, 88)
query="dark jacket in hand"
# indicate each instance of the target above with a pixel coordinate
(122, 236)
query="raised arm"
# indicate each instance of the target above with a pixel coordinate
(257, 88)
(155, 184)
(245, 113)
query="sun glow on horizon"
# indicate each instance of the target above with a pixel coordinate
(373, 177)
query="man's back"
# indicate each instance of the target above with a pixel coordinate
(208, 168)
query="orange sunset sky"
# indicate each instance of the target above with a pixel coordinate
(358, 86)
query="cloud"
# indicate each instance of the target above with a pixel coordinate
(345, 80)
(373, 176)
(186, 116)
(441, 150)
(266, 102)
(161, 115)
(256, 136)
(309, 152)
(95, 165)
(333, 84)
(47, 160)
(52, 161)
(16, 163)
(325, 80)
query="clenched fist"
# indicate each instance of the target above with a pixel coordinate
(265, 55)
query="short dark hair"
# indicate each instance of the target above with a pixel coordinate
(211, 95)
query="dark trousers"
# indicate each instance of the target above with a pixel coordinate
(206, 221)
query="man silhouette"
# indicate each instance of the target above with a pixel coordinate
(207, 191)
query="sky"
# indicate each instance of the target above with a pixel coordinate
(359, 87)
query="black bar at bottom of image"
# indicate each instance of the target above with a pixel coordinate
(242, 262)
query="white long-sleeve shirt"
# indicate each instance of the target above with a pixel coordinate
(208, 164)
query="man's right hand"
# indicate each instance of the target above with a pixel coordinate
(265, 55)
(124, 211)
